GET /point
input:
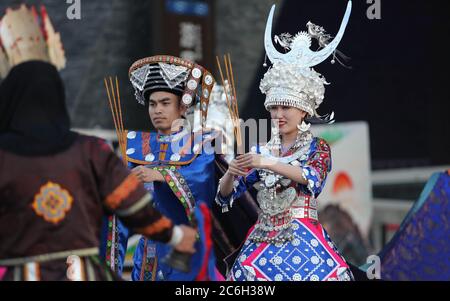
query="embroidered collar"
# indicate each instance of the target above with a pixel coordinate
(172, 137)
(302, 145)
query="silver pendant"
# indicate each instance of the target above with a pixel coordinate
(286, 182)
(270, 180)
(131, 135)
(175, 157)
(196, 73)
(150, 158)
(278, 205)
(208, 80)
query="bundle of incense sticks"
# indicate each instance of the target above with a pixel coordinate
(116, 110)
(230, 93)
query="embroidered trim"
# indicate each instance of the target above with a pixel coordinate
(146, 149)
(112, 246)
(144, 256)
(226, 203)
(122, 192)
(179, 187)
(156, 227)
(163, 151)
(179, 163)
(149, 262)
(160, 58)
(136, 206)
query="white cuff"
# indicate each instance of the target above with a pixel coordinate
(177, 236)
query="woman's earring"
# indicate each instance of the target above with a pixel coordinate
(276, 136)
(303, 127)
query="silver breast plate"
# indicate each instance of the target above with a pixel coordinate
(274, 205)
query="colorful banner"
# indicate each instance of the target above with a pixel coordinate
(348, 184)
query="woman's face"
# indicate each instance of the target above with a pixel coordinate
(288, 118)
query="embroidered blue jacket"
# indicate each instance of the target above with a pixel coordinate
(186, 161)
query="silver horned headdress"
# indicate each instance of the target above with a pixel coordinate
(292, 81)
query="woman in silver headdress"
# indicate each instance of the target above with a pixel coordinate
(287, 242)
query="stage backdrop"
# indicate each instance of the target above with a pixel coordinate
(348, 183)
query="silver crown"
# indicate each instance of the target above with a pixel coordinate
(292, 81)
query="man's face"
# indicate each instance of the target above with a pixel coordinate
(164, 108)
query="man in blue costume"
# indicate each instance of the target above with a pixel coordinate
(175, 162)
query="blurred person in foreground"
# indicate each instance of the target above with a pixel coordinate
(55, 184)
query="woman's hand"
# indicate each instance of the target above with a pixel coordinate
(227, 181)
(235, 169)
(251, 161)
(146, 175)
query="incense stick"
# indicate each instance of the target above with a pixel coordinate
(225, 88)
(230, 91)
(236, 108)
(122, 132)
(116, 111)
(234, 87)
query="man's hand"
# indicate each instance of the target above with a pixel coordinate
(146, 175)
(187, 242)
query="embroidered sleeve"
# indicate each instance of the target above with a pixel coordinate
(317, 167)
(240, 185)
(179, 186)
(123, 194)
